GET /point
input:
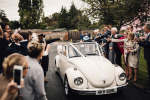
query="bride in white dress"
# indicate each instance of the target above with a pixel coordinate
(131, 54)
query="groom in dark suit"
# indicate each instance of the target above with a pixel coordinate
(145, 43)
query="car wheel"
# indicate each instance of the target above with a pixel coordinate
(67, 87)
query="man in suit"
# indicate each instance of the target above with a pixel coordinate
(3, 48)
(114, 51)
(145, 43)
(24, 43)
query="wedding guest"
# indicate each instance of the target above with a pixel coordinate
(34, 81)
(3, 48)
(131, 54)
(8, 88)
(145, 43)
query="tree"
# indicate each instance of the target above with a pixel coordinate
(55, 18)
(52, 20)
(31, 13)
(118, 12)
(84, 22)
(63, 20)
(77, 19)
(25, 10)
(73, 11)
(72, 19)
(94, 26)
(37, 12)
(3, 18)
(14, 24)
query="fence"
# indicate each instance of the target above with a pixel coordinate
(74, 35)
(63, 35)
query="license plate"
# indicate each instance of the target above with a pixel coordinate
(107, 91)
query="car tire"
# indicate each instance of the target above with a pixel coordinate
(67, 88)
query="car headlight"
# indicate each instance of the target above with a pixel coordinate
(78, 81)
(122, 76)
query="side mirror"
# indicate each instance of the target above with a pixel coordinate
(59, 49)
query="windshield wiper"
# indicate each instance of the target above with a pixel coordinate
(91, 54)
(74, 56)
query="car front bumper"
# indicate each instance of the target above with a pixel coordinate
(98, 91)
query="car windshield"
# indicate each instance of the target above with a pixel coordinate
(73, 53)
(87, 49)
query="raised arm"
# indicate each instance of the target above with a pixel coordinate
(11, 92)
(118, 40)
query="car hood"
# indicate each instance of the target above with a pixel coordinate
(98, 70)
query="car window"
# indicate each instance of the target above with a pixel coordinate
(64, 51)
(73, 53)
(87, 49)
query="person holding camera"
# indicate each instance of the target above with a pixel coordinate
(11, 79)
(34, 81)
(15, 46)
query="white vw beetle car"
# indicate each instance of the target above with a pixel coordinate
(85, 71)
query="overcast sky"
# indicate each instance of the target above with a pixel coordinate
(50, 6)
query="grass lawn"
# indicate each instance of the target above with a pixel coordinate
(142, 71)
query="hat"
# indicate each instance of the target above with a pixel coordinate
(85, 38)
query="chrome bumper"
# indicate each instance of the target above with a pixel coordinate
(98, 91)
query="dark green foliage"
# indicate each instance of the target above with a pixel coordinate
(63, 20)
(31, 13)
(94, 26)
(31, 16)
(14, 24)
(3, 18)
(72, 19)
(52, 21)
(77, 19)
(118, 12)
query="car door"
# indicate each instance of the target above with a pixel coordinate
(63, 61)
